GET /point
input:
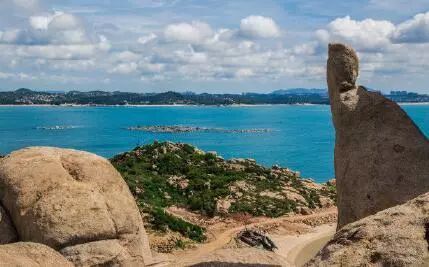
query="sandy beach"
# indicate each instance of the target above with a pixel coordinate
(298, 249)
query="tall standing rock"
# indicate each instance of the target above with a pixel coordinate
(75, 202)
(381, 156)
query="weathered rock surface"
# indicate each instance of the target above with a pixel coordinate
(100, 253)
(65, 198)
(242, 257)
(31, 254)
(381, 156)
(7, 231)
(398, 236)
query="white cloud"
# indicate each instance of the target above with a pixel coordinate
(259, 27)
(415, 30)
(27, 4)
(40, 22)
(367, 34)
(125, 56)
(17, 76)
(125, 68)
(193, 33)
(147, 39)
(244, 73)
(57, 28)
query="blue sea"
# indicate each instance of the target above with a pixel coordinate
(300, 137)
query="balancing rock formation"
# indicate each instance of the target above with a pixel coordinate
(74, 202)
(398, 236)
(381, 156)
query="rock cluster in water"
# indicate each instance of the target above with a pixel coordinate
(57, 127)
(189, 129)
(381, 156)
(74, 202)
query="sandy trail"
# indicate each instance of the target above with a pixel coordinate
(298, 249)
(290, 252)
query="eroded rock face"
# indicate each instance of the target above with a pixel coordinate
(67, 199)
(31, 254)
(398, 236)
(100, 253)
(7, 231)
(381, 156)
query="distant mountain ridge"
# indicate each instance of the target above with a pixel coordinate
(24, 96)
(301, 91)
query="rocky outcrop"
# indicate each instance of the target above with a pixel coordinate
(398, 236)
(381, 156)
(31, 254)
(74, 202)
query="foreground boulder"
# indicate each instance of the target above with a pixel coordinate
(381, 156)
(398, 236)
(31, 254)
(72, 201)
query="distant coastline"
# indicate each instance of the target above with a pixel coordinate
(297, 96)
(161, 105)
(188, 105)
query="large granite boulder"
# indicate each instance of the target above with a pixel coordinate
(71, 200)
(31, 254)
(398, 236)
(381, 156)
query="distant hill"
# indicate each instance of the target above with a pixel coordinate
(301, 91)
(25, 96)
(29, 97)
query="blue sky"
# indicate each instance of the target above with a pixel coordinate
(208, 46)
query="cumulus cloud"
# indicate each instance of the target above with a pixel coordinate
(194, 33)
(259, 27)
(26, 4)
(55, 35)
(147, 39)
(415, 30)
(57, 28)
(125, 68)
(367, 34)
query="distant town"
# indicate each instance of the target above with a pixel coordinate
(25, 96)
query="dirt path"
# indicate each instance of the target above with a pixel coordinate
(186, 258)
(298, 249)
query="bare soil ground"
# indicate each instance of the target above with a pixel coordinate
(298, 237)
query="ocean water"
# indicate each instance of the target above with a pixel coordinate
(300, 137)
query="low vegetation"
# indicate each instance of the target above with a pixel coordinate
(167, 174)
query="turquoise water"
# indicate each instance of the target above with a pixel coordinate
(302, 137)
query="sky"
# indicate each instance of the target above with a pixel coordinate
(209, 46)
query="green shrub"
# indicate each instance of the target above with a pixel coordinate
(162, 221)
